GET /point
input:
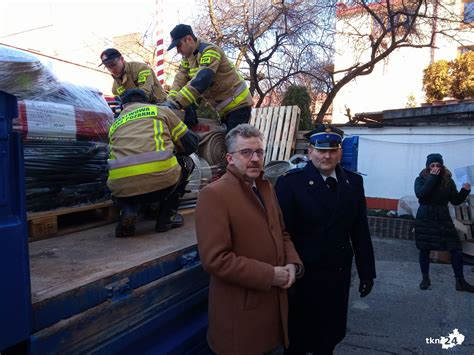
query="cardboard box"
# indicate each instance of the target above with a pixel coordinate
(442, 257)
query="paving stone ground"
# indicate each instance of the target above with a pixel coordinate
(398, 317)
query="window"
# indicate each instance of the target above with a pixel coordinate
(401, 23)
(357, 2)
(468, 11)
(465, 49)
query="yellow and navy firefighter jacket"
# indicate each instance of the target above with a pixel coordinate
(142, 145)
(209, 73)
(139, 76)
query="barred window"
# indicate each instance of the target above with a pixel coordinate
(469, 11)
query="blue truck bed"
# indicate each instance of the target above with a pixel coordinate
(92, 292)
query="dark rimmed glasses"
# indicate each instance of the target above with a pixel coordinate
(248, 153)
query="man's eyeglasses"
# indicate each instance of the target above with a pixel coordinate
(248, 153)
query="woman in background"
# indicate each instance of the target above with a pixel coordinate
(434, 229)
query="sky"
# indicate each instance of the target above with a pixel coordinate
(82, 19)
(77, 30)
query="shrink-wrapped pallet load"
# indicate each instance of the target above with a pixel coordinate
(64, 129)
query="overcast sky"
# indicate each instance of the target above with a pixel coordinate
(70, 24)
(78, 30)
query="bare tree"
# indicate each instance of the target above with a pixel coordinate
(273, 43)
(375, 29)
(281, 43)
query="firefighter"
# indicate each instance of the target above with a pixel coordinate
(149, 161)
(130, 75)
(206, 72)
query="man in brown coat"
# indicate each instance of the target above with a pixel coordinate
(244, 246)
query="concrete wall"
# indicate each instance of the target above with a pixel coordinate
(392, 157)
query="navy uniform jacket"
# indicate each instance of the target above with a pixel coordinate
(327, 231)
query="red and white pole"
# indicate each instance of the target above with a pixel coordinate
(160, 49)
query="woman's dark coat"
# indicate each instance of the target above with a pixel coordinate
(327, 229)
(434, 229)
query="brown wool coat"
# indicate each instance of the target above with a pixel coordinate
(239, 243)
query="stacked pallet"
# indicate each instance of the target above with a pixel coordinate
(278, 125)
(64, 129)
(464, 223)
(61, 221)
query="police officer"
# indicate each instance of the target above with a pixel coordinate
(149, 161)
(324, 210)
(206, 72)
(131, 75)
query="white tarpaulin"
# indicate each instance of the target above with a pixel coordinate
(391, 165)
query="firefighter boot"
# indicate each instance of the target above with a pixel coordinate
(175, 221)
(463, 285)
(168, 217)
(126, 226)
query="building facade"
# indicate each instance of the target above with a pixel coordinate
(396, 81)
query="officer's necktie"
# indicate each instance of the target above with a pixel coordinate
(331, 183)
(330, 206)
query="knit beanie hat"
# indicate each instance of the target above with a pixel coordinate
(434, 157)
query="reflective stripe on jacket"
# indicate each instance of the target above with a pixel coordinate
(141, 76)
(142, 141)
(210, 74)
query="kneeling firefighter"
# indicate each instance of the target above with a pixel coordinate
(148, 162)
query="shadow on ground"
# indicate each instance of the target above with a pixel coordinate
(398, 317)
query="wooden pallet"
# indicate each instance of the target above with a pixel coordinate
(465, 211)
(464, 221)
(47, 224)
(301, 146)
(278, 125)
(468, 247)
(465, 229)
